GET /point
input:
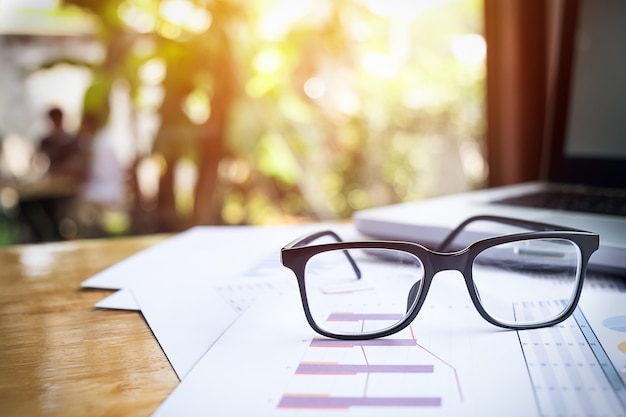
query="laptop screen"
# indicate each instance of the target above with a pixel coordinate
(588, 134)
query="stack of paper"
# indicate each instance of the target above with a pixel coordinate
(193, 286)
(230, 320)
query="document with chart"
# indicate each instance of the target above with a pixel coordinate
(449, 361)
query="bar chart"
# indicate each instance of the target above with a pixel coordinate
(449, 361)
(367, 366)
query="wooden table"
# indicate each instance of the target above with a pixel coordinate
(60, 356)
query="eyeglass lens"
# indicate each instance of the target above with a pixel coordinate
(524, 282)
(341, 303)
(529, 281)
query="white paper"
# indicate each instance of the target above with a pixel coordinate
(472, 368)
(191, 287)
(146, 262)
(120, 300)
(267, 364)
(122, 275)
(230, 320)
(186, 322)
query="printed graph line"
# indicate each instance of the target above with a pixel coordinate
(327, 402)
(537, 401)
(456, 375)
(605, 363)
(363, 317)
(367, 378)
(569, 370)
(335, 343)
(349, 316)
(350, 369)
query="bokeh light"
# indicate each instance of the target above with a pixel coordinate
(314, 87)
(251, 112)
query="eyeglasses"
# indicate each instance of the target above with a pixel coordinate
(370, 289)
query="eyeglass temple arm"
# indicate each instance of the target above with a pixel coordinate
(314, 236)
(526, 224)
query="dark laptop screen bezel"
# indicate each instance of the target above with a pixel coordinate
(562, 168)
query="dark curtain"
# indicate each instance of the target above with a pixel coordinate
(521, 48)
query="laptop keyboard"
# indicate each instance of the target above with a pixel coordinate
(614, 204)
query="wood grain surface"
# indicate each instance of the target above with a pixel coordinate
(60, 356)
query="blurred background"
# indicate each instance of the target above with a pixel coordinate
(184, 112)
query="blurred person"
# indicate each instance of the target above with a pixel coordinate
(48, 205)
(63, 150)
(104, 187)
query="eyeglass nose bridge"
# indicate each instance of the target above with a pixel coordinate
(440, 261)
(449, 261)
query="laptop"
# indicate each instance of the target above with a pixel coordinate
(585, 182)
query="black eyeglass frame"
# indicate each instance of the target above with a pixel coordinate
(296, 254)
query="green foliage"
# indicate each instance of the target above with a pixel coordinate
(331, 106)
